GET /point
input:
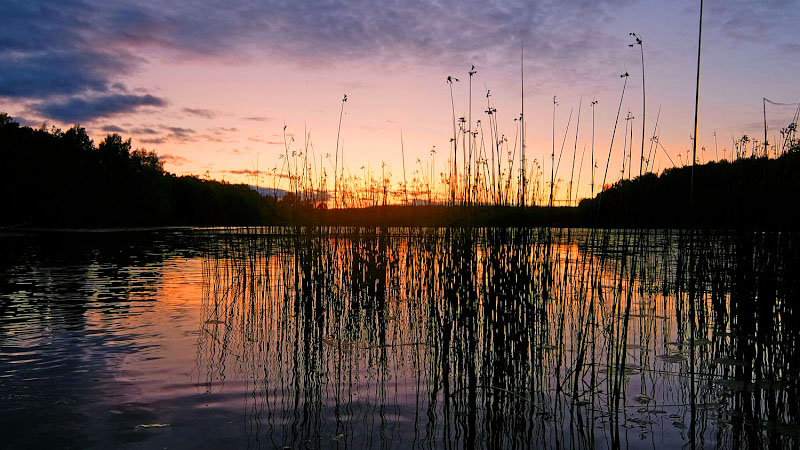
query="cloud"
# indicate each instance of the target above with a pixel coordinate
(85, 109)
(158, 140)
(113, 129)
(771, 22)
(86, 48)
(48, 73)
(173, 159)
(215, 138)
(179, 134)
(250, 173)
(100, 41)
(199, 112)
(144, 130)
(48, 49)
(219, 134)
(26, 122)
(179, 131)
(790, 47)
(174, 134)
(222, 130)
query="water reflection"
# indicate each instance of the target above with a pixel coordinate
(75, 311)
(501, 338)
(399, 338)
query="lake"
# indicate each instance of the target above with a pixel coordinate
(399, 338)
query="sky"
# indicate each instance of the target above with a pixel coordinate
(211, 86)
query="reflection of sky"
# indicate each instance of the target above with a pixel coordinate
(209, 84)
(278, 340)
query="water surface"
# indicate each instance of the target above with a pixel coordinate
(399, 338)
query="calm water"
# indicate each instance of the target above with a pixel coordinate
(399, 338)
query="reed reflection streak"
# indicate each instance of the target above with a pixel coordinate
(505, 338)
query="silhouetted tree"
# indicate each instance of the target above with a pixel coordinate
(55, 178)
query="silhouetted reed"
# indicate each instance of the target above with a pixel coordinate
(505, 337)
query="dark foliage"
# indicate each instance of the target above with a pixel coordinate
(60, 178)
(749, 193)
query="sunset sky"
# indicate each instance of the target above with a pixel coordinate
(209, 85)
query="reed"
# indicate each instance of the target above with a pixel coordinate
(504, 333)
(336, 164)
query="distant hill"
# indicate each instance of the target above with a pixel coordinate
(268, 191)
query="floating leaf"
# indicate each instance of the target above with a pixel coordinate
(672, 358)
(641, 421)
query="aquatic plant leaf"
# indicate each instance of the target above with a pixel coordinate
(672, 358)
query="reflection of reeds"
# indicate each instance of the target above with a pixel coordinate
(502, 337)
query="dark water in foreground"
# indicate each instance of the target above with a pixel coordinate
(399, 338)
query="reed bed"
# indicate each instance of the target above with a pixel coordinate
(505, 338)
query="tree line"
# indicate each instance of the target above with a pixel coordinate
(51, 177)
(748, 193)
